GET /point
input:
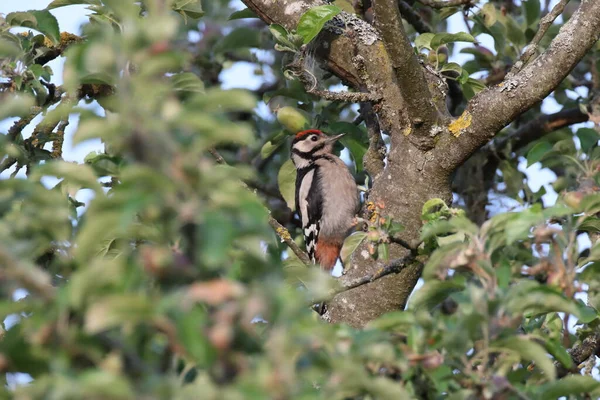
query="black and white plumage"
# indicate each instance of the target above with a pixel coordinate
(326, 196)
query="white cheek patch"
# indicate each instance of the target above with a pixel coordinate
(305, 146)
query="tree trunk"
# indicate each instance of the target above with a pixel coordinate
(409, 180)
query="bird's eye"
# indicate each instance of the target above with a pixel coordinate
(314, 138)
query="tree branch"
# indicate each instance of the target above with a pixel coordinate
(589, 347)
(412, 17)
(393, 267)
(493, 108)
(19, 125)
(407, 70)
(545, 23)
(475, 178)
(52, 52)
(279, 229)
(539, 127)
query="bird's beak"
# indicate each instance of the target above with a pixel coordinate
(333, 139)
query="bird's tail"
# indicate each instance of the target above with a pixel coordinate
(327, 252)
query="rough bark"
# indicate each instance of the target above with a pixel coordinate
(516, 94)
(427, 146)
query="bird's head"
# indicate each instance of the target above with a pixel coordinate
(310, 145)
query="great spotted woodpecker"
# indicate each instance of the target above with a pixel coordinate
(326, 196)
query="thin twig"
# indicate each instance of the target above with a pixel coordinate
(538, 127)
(587, 348)
(7, 163)
(22, 123)
(57, 145)
(393, 267)
(280, 230)
(29, 276)
(310, 83)
(405, 244)
(412, 17)
(545, 23)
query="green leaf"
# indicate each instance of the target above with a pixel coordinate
(105, 385)
(452, 66)
(63, 3)
(40, 20)
(497, 31)
(13, 105)
(440, 258)
(189, 8)
(444, 38)
(529, 350)
(312, 21)
(350, 245)
(383, 252)
(569, 385)
(591, 203)
(245, 13)
(272, 145)
(423, 41)
(47, 24)
(221, 101)
(393, 321)
(78, 174)
(286, 180)
(488, 14)
(280, 34)
(557, 350)
(269, 148)
(434, 292)
(39, 72)
(239, 38)
(189, 328)
(355, 141)
(476, 84)
(8, 46)
(116, 310)
(187, 82)
(537, 152)
(514, 32)
(586, 314)
(532, 299)
(24, 19)
(588, 138)
(292, 119)
(532, 10)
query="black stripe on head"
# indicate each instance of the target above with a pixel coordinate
(308, 155)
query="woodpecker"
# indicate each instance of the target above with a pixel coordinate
(326, 196)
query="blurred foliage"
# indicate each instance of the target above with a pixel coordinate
(150, 270)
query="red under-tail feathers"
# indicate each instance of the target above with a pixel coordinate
(327, 253)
